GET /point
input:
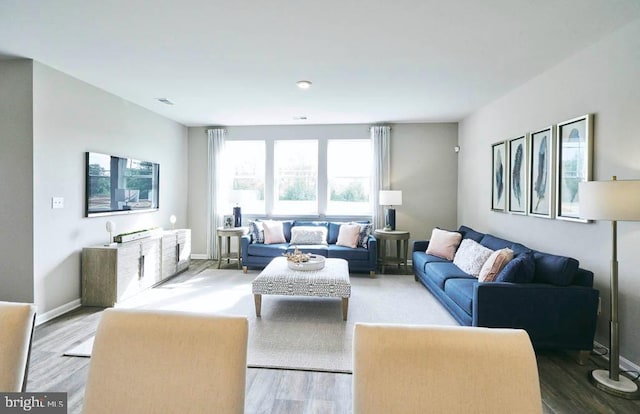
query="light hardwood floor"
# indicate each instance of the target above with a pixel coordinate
(564, 384)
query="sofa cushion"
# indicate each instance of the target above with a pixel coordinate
(349, 235)
(440, 272)
(308, 235)
(267, 250)
(469, 233)
(286, 229)
(347, 253)
(273, 232)
(321, 249)
(519, 249)
(420, 260)
(461, 292)
(519, 270)
(495, 243)
(471, 256)
(311, 223)
(494, 264)
(444, 243)
(556, 270)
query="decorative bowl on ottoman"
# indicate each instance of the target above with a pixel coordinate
(314, 262)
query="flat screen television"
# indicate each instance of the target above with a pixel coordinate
(119, 185)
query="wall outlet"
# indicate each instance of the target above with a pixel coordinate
(57, 202)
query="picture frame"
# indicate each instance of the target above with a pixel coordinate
(228, 221)
(498, 176)
(541, 188)
(574, 164)
(517, 175)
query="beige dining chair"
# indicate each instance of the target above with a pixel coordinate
(17, 321)
(437, 369)
(167, 362)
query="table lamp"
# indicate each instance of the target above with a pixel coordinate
(390, 198)
(172, 220)
(110, 226)
(614, 201)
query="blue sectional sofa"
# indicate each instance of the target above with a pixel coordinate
(558, 308)
(360, 259)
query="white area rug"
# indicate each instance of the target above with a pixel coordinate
(295, 332)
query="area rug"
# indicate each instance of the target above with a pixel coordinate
(304, 333)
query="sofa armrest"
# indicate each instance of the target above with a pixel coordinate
(420, 245)
(372, 245)
(554, 316)
(245, 241)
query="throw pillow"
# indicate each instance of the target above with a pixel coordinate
(470, 257)
(519, 270)
(273, 232)
(309, 235)
(256, 231)
(349, 235)
(494, 264)
(444, 243)
(365, 232)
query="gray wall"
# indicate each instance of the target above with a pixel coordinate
(423, 166)
(16, 178)
(69, 118)
(604, 80)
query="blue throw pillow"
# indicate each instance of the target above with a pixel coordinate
(556, 270)
(519, 270)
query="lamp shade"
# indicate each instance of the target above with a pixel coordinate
(390, 198)
(610, 200)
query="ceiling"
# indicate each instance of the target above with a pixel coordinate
(235, 62)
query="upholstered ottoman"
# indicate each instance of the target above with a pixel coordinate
(330, 281)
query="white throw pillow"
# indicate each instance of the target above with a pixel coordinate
(273, 232)
(309, 235)
(470, 257)
(349, 235)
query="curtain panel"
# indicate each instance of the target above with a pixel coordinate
(380, 139)
(215, 181)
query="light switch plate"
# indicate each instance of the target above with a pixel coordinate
(57, 202)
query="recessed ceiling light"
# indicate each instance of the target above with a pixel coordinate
(164, 101)
(304, 84)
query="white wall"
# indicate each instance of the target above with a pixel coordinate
(603, 79)
(423, 166)
(69, 118)
(16, 177)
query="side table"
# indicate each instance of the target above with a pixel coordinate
(228, 233)
(402, 247)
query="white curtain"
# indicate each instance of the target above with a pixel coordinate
(216, 139)
(380, 137)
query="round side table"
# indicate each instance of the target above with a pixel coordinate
(228, 233)
(401, 238)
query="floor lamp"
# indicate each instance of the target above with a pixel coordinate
(615, 201)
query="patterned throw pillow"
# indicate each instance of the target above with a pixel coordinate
(309, 235)
(349, 235)
(443, 243)
(365, 232)
(494, 264)
(256, 231)
(470, 257)
(273, 232)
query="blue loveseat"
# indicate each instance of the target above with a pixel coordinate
(558, 308)
(361, 259)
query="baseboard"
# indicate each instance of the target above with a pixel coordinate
(54, 313)
(625, 364)
(199, 256)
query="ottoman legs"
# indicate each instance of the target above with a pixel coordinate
(345, 308)
(258, 300)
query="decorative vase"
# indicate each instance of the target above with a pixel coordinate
(237, 217)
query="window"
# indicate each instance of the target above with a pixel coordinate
(245, 163)
(296, 177)
(349, 177)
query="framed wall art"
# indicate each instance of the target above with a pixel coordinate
(574, 164)
(541, 166)
(498, 176)
(517, 193)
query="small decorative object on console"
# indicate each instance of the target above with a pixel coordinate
(297, 256)
(304, 261)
